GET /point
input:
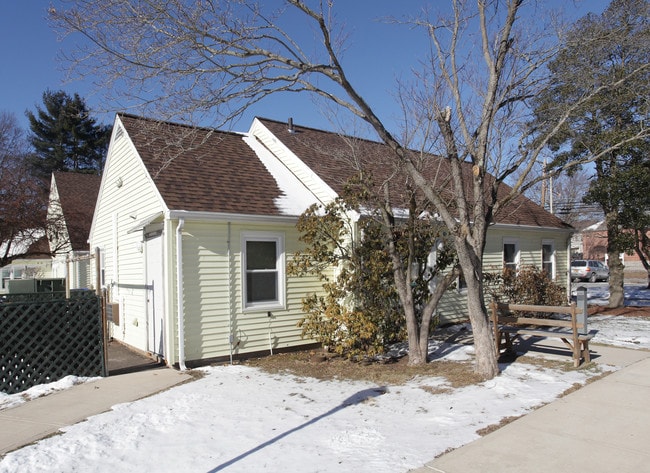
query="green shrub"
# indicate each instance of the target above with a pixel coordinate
(359, 314)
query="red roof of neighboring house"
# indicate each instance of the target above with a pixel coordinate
(40, 249)
(78, 195)
(202, 169)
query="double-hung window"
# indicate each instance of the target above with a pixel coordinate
(263, 263)
(548, 258)
(510, 254)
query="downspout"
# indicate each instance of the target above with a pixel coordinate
(230, 304)
(179, 294)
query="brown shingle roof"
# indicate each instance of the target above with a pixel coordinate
(78, 195)
(335, 159)
(202, 169)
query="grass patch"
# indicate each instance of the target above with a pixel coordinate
(316, 364)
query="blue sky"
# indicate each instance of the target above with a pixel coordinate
(28, 64)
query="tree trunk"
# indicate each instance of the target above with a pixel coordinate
(616, 280)
(471, 263)
(417, 353)
(485, 352)
(616, 277)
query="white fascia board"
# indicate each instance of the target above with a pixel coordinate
(530, 228)
(227, 217)
(104, 173)
(301, 171)
(295, 196)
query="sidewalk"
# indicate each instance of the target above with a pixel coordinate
(38, 418)
(602, 427)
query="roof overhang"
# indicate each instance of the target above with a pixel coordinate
(531, 228)
(228, 217)
(153, 218)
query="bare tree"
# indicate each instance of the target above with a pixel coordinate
(22, 197)
(562, 194)
(471, 93)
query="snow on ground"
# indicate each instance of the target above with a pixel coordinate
(240, 419)
(598, 294)
(8, 401)
(627, 332)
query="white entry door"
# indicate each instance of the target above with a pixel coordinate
(155, 295)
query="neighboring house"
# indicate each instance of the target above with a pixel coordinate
(18, 276)
(70, 213)
(195, 227)
(593, 240)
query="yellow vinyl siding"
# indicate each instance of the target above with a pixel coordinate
(453, 306)
(212, 314)
(530, 249)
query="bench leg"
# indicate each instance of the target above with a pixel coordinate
(502, 340)
(585, 351)
(575, 350)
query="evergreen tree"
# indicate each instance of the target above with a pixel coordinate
(65, 137)
(605, 55)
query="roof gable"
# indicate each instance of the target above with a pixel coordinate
(203, 169)
(77, 195)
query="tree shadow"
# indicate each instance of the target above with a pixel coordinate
(356, 398)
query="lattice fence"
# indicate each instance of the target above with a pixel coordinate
(42, 341)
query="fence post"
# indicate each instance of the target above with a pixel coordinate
(102, 307)
(67, 276)
(581, 302)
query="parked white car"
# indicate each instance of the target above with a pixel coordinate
(589, 270)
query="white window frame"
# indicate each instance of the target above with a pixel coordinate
(280, 302)
(550, 243)
(510, 241)
(461, 284)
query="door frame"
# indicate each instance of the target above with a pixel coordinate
(155, 291)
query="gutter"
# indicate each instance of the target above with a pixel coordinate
(228, 217)
(179, 294)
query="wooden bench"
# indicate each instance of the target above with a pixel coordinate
(574, 332)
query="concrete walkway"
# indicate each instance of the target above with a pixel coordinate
(603, 427)
(44, 416)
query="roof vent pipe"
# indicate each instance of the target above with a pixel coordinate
(290, 123)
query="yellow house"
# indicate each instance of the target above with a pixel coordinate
(194, 232)
(195, 227)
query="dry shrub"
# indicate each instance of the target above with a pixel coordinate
(529, 285)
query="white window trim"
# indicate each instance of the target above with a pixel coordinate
(550, 243)
(278, 238)
(510, 241)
